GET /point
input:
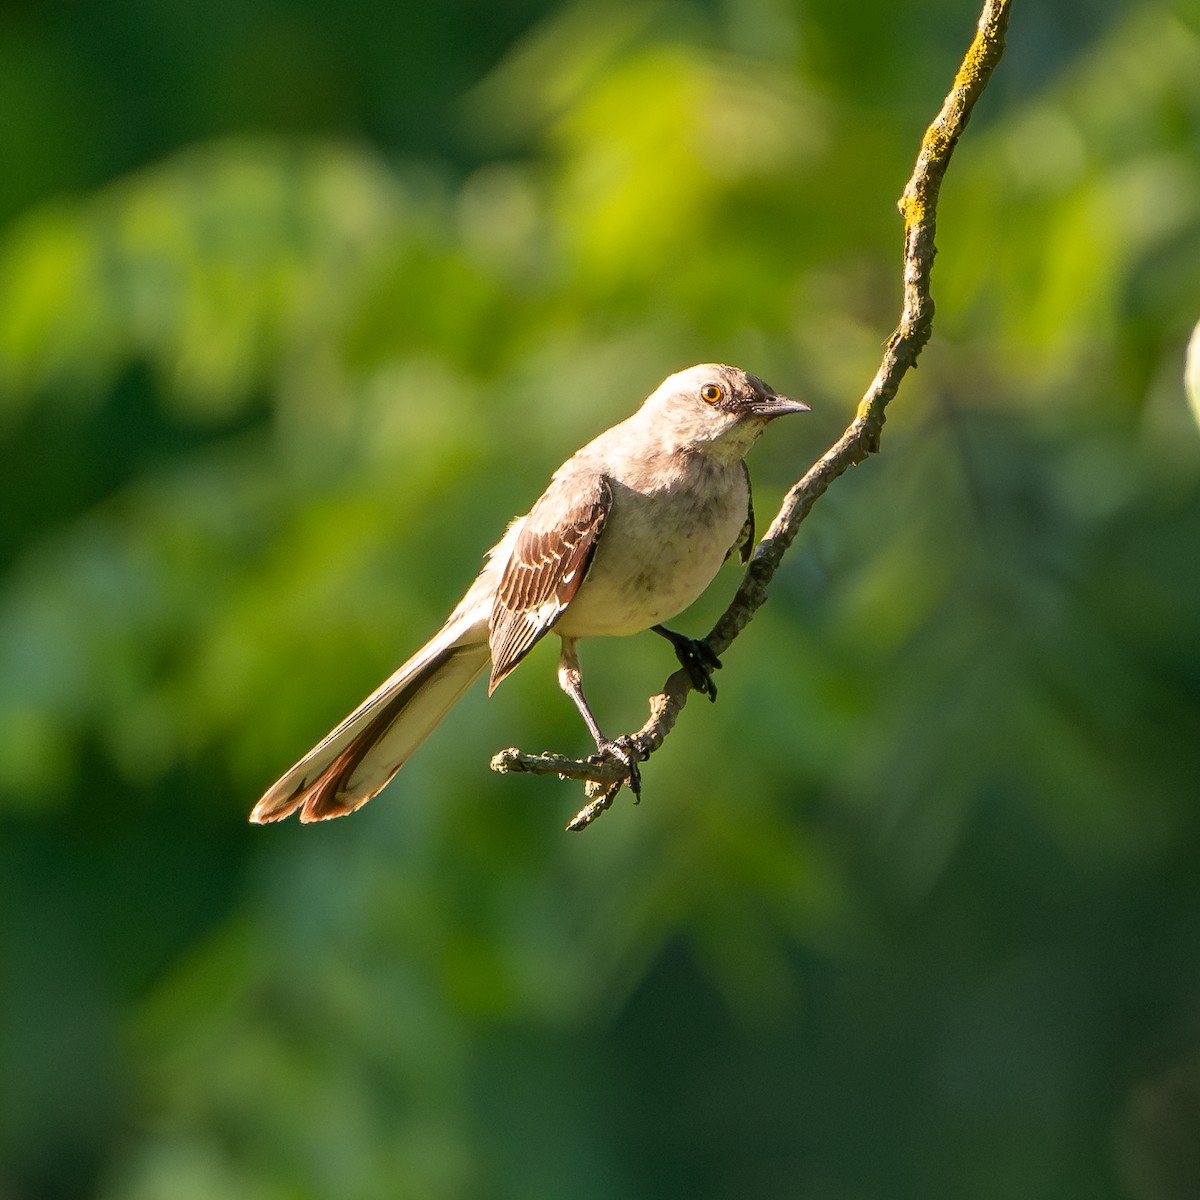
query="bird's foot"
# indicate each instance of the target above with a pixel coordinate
(626, 751)
(696, 657)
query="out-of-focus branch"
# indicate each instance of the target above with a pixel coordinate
(918, 206)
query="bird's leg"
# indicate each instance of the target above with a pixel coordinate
(696, 657)
(623, 749)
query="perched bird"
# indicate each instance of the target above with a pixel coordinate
(629, 532)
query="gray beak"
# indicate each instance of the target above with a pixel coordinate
(778, 406)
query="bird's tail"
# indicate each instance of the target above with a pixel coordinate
(352, 763)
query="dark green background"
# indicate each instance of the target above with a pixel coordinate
(298, 304)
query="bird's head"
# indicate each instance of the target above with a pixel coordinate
(716, 409)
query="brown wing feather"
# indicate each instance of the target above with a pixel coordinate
(548, 563)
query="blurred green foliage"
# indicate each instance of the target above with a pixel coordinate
(296, 309)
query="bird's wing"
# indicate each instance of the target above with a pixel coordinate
(745, 538)
(549, 561)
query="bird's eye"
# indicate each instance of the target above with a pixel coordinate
(710, 393)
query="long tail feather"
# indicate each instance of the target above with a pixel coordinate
(355, 761)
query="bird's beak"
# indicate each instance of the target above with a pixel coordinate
(777, 406)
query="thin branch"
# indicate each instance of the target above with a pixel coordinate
(918, 206)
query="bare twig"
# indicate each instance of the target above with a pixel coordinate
(918, 206)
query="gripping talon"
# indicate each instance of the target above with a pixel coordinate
(627, 754)
(696, 657)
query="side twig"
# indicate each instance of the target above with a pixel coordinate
(918, 206)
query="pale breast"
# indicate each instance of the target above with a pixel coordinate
(659, 550)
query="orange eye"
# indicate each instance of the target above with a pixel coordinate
(710, 393)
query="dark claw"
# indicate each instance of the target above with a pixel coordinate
(696, 657)
(627, 754)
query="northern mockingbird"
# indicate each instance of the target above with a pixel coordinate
(630, 531)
